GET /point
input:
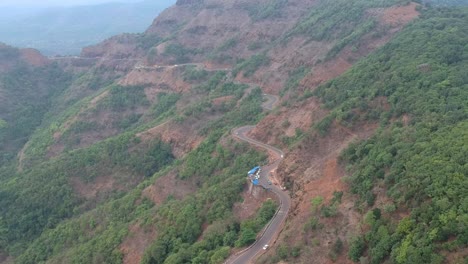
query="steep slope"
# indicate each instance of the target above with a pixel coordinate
(135, 162)
(28, 81)
(404, 185)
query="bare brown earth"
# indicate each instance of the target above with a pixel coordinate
(287, 120)
(34, 57)
(456, 257)
(400, 15)
(313, 170)
(158, 80)
(5, 259)
(394, 17)
(105, 127)
(134, 245)
(169, 185)
(139, 238)
(182, 137)
(252, 200)
(220, 100)
(90, 190)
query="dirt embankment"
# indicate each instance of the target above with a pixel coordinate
(34, 57)
(134, 245)
(182, 137)
(169, 185)
(157, 80)
(287, 121)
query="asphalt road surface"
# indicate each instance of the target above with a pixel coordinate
(271, 101)
(275, 225)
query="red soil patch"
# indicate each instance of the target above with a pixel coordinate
(251, 202)
(220, 100)
(325, 72)
(169, 185)
(134, 245)
(400, 15)
(458, 256)
(92, 104)
(286, 121)
(395, 17)
(210, 65)
(168, 79)
(34, 57)
(182, 137)
(5, 259)
(313, 169)
(406, 119)
(92, 189)
(329, 182)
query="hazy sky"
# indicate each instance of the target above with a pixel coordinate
(45, 3)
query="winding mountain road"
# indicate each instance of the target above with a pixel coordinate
(271, 231)
(274, 226)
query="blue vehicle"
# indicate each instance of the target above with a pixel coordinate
(254, 170)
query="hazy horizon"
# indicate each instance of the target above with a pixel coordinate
(56, 3)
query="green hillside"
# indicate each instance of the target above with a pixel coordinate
(87, 157)
(419, 153)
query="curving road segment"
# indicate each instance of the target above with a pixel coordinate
(275, 225)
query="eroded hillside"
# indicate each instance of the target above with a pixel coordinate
(135, 162)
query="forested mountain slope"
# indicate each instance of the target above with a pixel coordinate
(131, 158)
(409, 178)
(28, 81)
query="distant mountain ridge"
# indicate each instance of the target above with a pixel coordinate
(65, 30)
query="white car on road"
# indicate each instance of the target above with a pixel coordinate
(265, 247)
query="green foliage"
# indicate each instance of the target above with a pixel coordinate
(282, 252)
(220, 255)
(250, 228)
(181, 221)
(191, 73)
(268, 10)
(179, 52)
(39, 199)
(228, 44)
(165, 103)
(3, 124)
(324, 124)
(30, 92)
(128, 121)
(337, 20)
(147, 41)
(316, 202)
(248, 112)
(8, 53)
(356, 248)
(250, 66)
(294, 79)
(352, 38)
(336, 249)
(255, 45)
(328, 210)
(151, 158)
(420, 162)
(124, 97)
